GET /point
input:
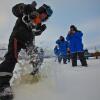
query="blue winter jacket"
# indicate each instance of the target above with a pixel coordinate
(56, 51)
(75, 42)
(63, 45)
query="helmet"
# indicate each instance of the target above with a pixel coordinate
(45, 9)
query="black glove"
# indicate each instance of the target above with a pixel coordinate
(43, 27)
(39, 29)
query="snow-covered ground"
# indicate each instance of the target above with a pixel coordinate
(61, 82)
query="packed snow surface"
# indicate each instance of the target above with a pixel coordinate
(60, 82)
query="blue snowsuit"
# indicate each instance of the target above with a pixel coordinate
(76, 48)
(56, 51)
(63, 45)
(75, 42)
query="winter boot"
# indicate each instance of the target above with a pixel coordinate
(6, 93)
(5, 89)
(64, 61)
(82, 59)
(74, 59)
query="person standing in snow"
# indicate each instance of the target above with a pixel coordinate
(28, 25)
(56, 52)
(74, 38)
(63, 45)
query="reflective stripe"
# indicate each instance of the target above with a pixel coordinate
(5, 74)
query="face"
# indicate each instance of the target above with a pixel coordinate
(39, 18)
(72, 30)
(61, 38)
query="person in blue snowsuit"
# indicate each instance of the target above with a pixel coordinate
(56, 52)
(63, 45)
(74, 38)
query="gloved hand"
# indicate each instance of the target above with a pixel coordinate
(39, 29)
(43, 27)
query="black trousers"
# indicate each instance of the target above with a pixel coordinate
(8, 65)
(81, 57)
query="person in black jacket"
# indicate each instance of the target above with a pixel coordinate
(28, 25)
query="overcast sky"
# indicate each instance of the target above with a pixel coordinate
(85, 14)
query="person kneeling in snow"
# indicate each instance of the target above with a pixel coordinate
(28, 25)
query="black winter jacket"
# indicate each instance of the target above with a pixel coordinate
(21, 31)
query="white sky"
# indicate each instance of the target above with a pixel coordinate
(85, 14)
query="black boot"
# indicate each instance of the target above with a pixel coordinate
(74, 59)
(82, 59)
(6, 70)
(6, 93)
(5, 89)
(64, 61)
